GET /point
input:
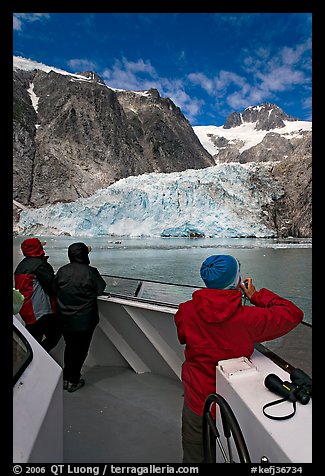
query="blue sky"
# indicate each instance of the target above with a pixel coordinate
(209, 64)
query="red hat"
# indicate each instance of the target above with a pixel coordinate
(32, 247)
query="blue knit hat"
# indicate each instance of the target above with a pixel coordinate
(220, 272)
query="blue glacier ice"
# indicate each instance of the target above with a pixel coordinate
(220, 201)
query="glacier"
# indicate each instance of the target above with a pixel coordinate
(225, 200)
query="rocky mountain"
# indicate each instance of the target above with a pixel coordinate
(265, 116)
(73, 135)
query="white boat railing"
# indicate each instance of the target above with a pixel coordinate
(292, 350)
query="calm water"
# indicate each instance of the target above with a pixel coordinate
(284, 267)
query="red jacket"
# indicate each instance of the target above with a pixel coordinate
(34, 278)
(214, 325)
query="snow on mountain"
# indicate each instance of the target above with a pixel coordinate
(26, 64)
(218, 201)
(246, 134)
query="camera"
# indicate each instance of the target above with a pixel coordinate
(299, 389)
(245, 284)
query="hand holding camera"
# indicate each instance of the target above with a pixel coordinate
(248, 287)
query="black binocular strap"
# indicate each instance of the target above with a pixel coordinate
(284, 417)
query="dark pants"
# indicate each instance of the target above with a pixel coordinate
(192, 438)
(47, 326)
(77, 345)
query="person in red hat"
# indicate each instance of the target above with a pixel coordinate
(34, 278)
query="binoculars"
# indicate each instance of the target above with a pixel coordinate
(299, 389)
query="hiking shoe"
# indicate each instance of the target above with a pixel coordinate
(72, 387)
(65, 384)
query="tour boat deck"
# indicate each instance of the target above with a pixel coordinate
(129, 410)
(123, 417)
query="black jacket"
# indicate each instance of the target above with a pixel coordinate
(77, 286)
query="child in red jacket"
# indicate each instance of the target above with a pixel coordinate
(214, 325)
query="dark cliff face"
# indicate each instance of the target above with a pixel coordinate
(85, 136)
(24, 119)
(292, 158)
(292, 214)
(166, 136)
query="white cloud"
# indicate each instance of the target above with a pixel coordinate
(265, 75)
(202, 80)
(280, 79)
(16, 23)
(140, 66)
(133, 75)
(227, 78)
(82, 64)
(20, 19)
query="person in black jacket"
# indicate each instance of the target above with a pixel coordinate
(77, 286)
(34, 278)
